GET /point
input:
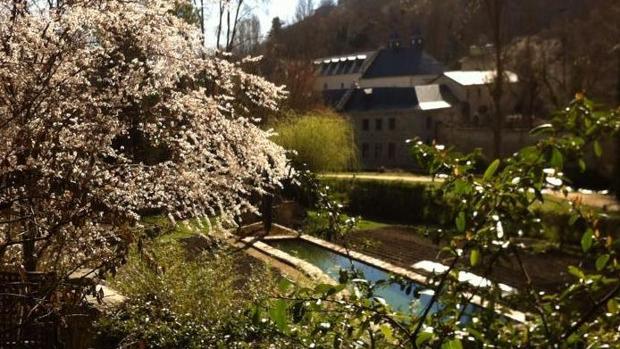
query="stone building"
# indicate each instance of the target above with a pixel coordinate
(385, 118)
(400, 92)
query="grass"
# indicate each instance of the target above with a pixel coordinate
(366, 224)
(180, 231)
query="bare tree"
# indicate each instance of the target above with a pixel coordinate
(495, 13)
(230, 14)
(304, 9)
(248, 36)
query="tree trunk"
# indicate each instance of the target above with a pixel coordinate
(234, 30)
(495, 10)
(28, 245)
(219, 25)
(616, 174)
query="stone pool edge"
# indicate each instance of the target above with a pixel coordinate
(313, 272)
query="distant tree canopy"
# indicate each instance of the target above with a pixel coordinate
(323, 141)
(570, 43)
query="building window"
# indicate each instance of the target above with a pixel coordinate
(378, 150)
(365, 150)
(391, 151)
(378, 124)
(365, 124)
(429, 123)
(392, 124)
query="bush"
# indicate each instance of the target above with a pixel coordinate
(413, 203)
(323, 141)
(185, 303)
(392, 201)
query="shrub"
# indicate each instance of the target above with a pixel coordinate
(185, 303)
(322, 141)
(392, 201)
(402, 202)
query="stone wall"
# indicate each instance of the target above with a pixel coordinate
(467, 139)
(386, 146)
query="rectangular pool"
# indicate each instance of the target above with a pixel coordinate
(331, 263)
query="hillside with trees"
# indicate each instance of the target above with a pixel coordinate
(558, 47)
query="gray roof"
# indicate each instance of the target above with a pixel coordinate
(332, 97)
(393, 98)
(403, 61)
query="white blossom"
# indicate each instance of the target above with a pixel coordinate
(111, 109)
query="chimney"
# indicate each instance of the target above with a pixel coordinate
(394, 42)
(417, 40)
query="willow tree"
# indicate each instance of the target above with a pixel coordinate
(110, 110)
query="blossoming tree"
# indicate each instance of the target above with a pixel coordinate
(110, 110)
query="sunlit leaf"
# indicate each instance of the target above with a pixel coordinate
(453, 344)
(284, 285)
(582, 165)
(277, 313)
(423, 338)
(387, 331)
(612, 306)
(544, 128)
(601, 262)
(557, 159)
(490, 172)
(598, 149)
(578, 273)
(460, 222)
(586, 240)
(474, 257)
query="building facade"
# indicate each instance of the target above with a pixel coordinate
(401, 93)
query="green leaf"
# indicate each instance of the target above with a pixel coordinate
(490, 172)
(573, 219)
(474, 257)
(461, 187)
(557, 159)
(453, 344)
(323, 288)
(387, 331)
(277, 313)
(284, 285)
(542, 129)
(460, 222)
(578, 273)
(598, 149)
(613, 306)
(586, 240)
(601, 262)
(423, 338)
(582, 165)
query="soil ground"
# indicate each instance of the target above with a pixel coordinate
(404, 246)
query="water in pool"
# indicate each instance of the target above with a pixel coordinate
(331, 263)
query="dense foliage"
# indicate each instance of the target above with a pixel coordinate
(391, 201)
(181, 299)
(322, 141)
(491, 213)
